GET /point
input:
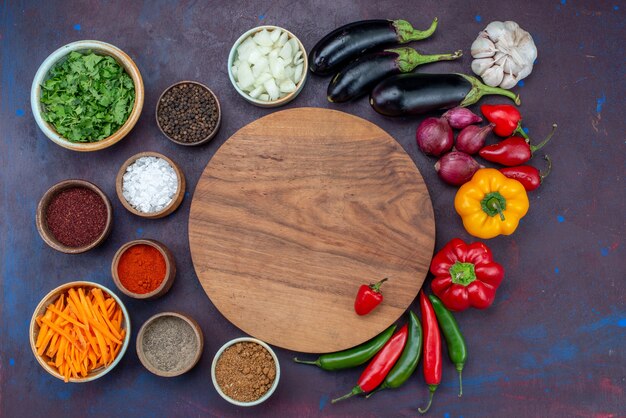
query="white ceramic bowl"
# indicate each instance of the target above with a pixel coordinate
(283, 100)
(100, 48)
(50, 298)
(267, 394)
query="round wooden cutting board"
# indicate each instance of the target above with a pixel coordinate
(297, 210)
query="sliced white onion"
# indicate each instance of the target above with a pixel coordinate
(268, 65)
(272, 89)
(263, 38)
(287, 86)
(244, 76)
(275, 34)
(297, 73)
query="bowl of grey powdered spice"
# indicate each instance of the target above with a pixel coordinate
(245, 371)
(169, 344)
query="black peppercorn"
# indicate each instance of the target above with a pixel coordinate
(188, 113)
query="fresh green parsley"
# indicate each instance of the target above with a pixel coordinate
(87, 97)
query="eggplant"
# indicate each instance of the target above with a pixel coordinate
(417, 93)
(362, 74)
(356, 38)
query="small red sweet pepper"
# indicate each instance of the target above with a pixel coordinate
(529, 176)
(465, 275)
(368, 297)
(512, 151)
(507, 118)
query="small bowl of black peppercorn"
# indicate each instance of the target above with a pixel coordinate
(188, 113)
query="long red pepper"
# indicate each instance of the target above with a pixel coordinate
(512, 151)
(529, 176)
(379, 367)
(432, 349)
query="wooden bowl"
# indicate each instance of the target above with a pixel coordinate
(211, 134)
(52, 297)
(100, 48)
(170, 269)
(42, 207)
(176, 201)
(267, 394)
(279, 102)
(146, 363)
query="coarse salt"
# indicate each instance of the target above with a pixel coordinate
(149, 184)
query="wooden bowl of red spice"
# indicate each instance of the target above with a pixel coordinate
(143, 269)
(74, 216)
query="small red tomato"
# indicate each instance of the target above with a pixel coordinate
(368, 297)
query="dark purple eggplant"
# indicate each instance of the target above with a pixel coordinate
(362, 74)
(417, 93)
(356, 38)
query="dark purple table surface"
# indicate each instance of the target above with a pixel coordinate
(552, 344)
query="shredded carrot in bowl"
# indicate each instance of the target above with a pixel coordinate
(80, 332)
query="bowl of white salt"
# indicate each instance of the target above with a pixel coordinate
(150, 185)
(268, 66)
(169, 344)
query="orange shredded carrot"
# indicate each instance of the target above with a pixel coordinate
(80, 332)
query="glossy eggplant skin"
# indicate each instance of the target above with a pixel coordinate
(349, 41)
(361, 75)
(414, 94)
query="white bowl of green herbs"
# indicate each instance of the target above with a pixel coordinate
(87, 95)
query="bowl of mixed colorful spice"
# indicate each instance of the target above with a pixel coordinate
(87, 95)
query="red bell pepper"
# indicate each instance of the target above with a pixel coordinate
(507, 118)
(512, 151)
(377, 369)
(465, 275)
(368, 297)
(529, 176)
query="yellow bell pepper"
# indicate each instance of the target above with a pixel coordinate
(491, 204)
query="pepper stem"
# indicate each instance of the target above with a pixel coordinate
(407, 33)
(543, 175)
(314, 363)
(537, 147)
(377, 390)
(494, 203)
(479, 90)
(355, 391)
(376, 286)
(431, 389)
(521, 132)
(459, 368)
(408, 58)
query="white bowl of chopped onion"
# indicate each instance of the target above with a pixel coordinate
(268, 66)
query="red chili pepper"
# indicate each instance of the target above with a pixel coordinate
(368, 297)
(529, 176)
(512, 151)
(379, 367)
(465, 275)
(507, 118)
(432, 349)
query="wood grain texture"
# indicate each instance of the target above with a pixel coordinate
(294, 212)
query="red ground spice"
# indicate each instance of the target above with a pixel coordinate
(141, 268)
(76, 216)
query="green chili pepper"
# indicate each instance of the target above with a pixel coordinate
(354, 356)
(407, 363)
(457, 350)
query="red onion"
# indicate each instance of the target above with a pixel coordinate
(461, 117)
(456, 168)
(472, 138)
(434, 136)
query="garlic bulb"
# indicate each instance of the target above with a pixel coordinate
(503, 54)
